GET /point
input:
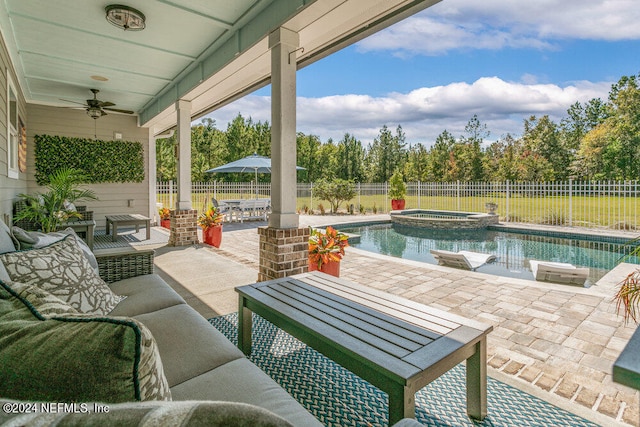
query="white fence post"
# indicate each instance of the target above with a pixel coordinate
(570, 202)
(507, 207)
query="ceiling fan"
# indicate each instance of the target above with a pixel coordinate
(96, 108)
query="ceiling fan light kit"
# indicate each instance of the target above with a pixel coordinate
(94, 112)
(125, 17)
(96, 108)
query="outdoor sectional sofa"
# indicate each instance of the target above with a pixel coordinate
(68, 337)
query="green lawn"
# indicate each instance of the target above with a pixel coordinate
(602, 211)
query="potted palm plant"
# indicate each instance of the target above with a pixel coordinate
(397, 191)
(50, 209)
(628, 296)
(165, 217)
(326, 249)
(211, 223)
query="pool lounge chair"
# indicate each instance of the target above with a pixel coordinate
(463, 259)
(559, 272)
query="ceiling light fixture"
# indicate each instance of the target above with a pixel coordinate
(125, 17)
(94, 112)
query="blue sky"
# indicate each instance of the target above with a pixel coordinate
(503, 60)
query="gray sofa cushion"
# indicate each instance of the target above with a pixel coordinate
(145, 294)
(188, 344)
(8, 243)
(242, 381)
(151, 414)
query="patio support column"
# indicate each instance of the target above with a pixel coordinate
(184, 230)
(184, 155)
(283, 246)
(283, 43)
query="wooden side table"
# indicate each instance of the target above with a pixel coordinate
(114, 221)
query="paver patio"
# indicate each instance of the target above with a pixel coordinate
(552, 341)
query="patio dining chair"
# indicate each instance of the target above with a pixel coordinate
(225, 208)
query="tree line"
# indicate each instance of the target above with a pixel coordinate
(595, 140)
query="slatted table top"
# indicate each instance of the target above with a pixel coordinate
(392, 334)
(127, 217)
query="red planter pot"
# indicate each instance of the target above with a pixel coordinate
(213, 235)
(165, 223)
(332, 268)
(397, 204)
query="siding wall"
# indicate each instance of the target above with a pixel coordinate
(9, 187)
(113, 198)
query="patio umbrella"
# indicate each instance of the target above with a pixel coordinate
(253, 163)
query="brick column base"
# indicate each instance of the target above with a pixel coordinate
(283, 252)
(184, 228)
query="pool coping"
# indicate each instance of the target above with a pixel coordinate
(603, 287)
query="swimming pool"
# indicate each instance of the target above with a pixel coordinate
(513, 249)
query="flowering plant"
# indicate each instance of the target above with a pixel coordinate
(164, 213)
(326, 246)
(210, 218)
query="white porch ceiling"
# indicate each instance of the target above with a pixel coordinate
(209, 52)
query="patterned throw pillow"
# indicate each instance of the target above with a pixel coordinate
(73, 357)
(43, 302)
(62, 270)
(37, 240)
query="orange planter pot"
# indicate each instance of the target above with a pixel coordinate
(332, 268)
(165, 223)
(213, 236)
(397, 204)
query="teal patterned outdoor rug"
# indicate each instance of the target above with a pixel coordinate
(339, 398)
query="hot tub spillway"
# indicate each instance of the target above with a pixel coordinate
(434, 219)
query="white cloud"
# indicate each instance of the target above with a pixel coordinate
(425, 112)
(498, 24)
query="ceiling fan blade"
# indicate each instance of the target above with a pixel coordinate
(119, 111)
(106, 104)
(68, 100)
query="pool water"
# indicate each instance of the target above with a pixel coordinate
(512, 249)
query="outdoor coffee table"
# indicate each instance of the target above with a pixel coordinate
(127, 219)
(396, 344)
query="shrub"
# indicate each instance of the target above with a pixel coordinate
(335, 191)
